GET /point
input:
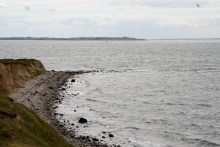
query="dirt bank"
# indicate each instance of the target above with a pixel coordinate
(14, 73)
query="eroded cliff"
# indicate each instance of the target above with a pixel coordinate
(14, 73)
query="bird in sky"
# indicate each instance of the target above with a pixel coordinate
(198, 5)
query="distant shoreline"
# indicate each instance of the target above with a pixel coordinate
(73, 39)
(185, 39)
(102, 39)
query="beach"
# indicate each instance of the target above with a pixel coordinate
(40, 95)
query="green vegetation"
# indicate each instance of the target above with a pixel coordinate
(20, 127)
(17, 61)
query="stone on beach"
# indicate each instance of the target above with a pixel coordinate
(82, 120)
(111, 135)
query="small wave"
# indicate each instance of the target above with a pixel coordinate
(204, 105)
(201, 142)
(132, 128)
(92, 100)
(174, 104)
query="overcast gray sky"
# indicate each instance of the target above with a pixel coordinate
(132, 18)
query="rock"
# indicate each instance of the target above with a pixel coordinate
(63, 89)
(44, 94)
(103, 137)
(50, 87)
(11, 99)
(111, 135)
(103, 132)
(82, 120)
(95, 139)
(73, 80)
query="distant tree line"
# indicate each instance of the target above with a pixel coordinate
(77, 38)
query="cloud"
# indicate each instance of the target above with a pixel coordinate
(115, 4)
(111, 17)
(53, 9)
(27, 7)
(2, 3)
(193, 22)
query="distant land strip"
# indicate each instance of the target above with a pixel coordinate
(73, 39)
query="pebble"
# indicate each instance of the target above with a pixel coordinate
(111, 135)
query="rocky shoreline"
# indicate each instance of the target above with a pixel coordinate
(40, 95)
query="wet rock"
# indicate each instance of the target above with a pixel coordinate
(73, 80)
(103, 132)
(61, 126)
(44, 94)
(83, 120)
(63, 89)
(50, 87)
(95, 139)
(74, 110)
(103, 137)
(111, 135)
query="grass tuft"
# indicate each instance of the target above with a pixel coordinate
(17, 61)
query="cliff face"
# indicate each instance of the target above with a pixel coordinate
(19, 126)
(14, 73)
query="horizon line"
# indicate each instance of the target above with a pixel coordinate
(124, 37)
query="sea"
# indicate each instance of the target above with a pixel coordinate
(156, 93)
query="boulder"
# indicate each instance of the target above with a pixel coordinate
(83, 120)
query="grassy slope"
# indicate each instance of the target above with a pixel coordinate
(20, 127)
(17, 61)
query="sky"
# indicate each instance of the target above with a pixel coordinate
(148, 19)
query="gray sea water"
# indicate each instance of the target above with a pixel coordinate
(147, 93)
